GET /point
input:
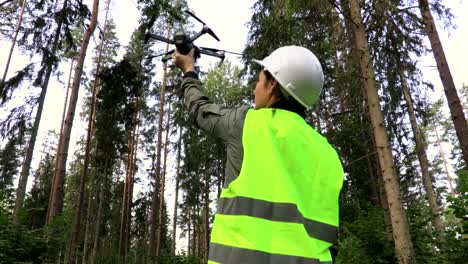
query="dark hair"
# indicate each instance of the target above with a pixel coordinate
(285, 103)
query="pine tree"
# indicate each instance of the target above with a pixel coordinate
(9, 163)
(402, 239)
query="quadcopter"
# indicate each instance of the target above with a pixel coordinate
(184, 43)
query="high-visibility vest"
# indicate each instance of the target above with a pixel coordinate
(283, 206)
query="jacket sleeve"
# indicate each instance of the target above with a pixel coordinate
(216, 120)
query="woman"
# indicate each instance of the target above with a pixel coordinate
(279, 203)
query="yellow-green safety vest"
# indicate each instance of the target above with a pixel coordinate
(283, 206)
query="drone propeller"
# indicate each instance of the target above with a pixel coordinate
(218, 50)
(205, 27)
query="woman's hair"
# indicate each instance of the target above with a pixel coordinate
(285, 102)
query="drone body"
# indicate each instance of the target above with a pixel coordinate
(184, 43)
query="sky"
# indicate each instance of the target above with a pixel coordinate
(228, 19)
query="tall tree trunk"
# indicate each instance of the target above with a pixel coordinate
(199, 223)
(152, 240)
(126, 196)
(87, 228)
(18, 25)
(163, 180)
(56, 203)
(23, 180)
(422, 157)
(97, 228)
(123, 210)
(456, 109)
(195, 231)
(84, 171)
(206, 234)
(62, 120)
(401, 235)
(189, 247)
(174, 219)
(442, 154)
(130, 191)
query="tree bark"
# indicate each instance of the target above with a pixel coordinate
(130, 191)
(174, 219)
(56, 203)
(152, 240)
(87, 228)
(18, 25)
(23, 180)
(100, 193)
(401, 236)
(206, 234)
(126, 196)
(421, 146)
(123, 210)
(456, 109)
(442, 154)
(62, 122)
(163, 181)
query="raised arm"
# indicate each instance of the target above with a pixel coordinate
(216, 120)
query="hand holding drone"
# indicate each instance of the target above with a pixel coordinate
(184, 43)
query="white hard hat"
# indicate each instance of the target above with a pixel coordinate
(298, 71)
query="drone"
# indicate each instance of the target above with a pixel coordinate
(184, 43)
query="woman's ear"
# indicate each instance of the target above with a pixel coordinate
(273, 85)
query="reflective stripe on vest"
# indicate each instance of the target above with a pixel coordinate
(232, 255)
(283, 206)
(284, 212)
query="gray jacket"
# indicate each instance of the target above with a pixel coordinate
(220, 122)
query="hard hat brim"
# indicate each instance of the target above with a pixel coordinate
(259, 62)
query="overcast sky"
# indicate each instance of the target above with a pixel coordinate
(228, 20)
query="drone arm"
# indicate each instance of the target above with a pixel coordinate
(167, 56)
(149, 35)
(211, 53)
(199, 34)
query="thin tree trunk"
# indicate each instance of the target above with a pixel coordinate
(152, 244)
(18, 25)
(130, 191)
(422, 157)
(123, 209)
(456, 109)
(442, 154)
(100, 194)
(189, 238)
(56, 203)
(126, 197)
(195, 230)
(174, 221)
(62, 120)
(401, 236)
(206, 234)
(198, 248)
(23, 180)
(163, 181)
(86, 235)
